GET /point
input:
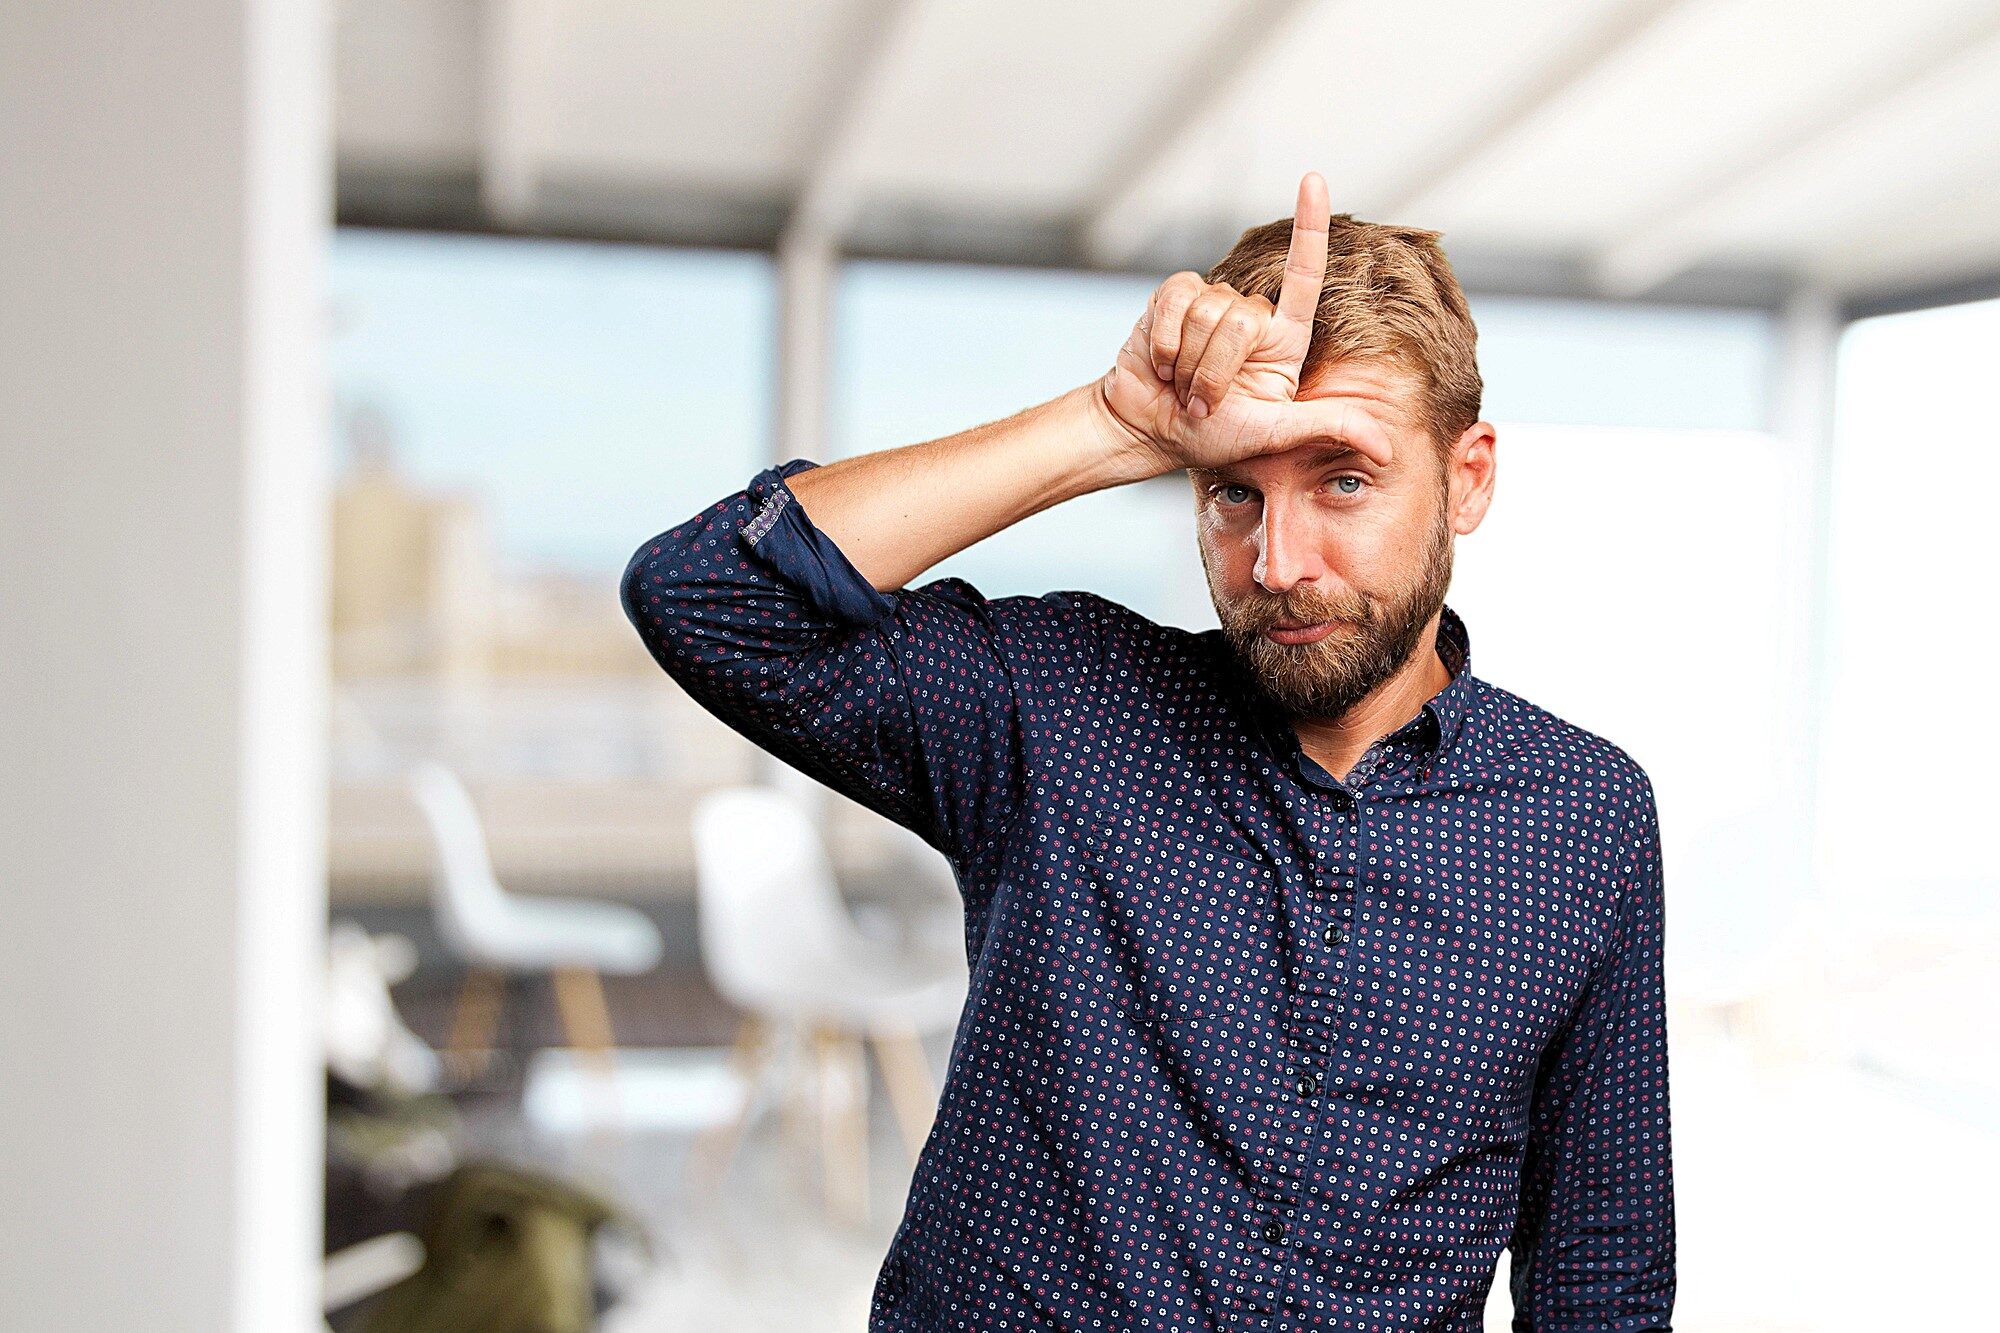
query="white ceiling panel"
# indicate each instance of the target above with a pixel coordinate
(1618, 146)
(406, 84)
(1904, 183)
(726, 93)
(1701, 94)
(1016, 107)
(1367, 94)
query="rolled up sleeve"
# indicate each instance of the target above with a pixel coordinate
(906, 701)
(1593, 1246)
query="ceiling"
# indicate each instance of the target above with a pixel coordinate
(1709, 150)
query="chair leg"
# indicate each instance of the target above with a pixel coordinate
(710, 1155)
(586, 1020)
(799, 1095)
(474, 1021)
(843, 1104)
(907, 1071)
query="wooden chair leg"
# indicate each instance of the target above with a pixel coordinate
(843, 1107)
(855, 1057)
(907, 1072)
(714, 1149)
(799, 1094)
(586, 1020)
(475, 1019)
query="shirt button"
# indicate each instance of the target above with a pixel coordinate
(1335, 936)
(1274, 1232)
(1308, 1085)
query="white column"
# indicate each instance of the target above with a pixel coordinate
(808, 266)
(1809, 328)
(163, 216)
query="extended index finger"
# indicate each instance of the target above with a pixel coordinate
(1336, 419)
(1305, 261)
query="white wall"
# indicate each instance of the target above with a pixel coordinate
(162, 218)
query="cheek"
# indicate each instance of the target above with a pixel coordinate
(1228, 542)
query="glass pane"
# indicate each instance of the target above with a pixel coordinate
(515, 418)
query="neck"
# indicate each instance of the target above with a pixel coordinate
(1337, 744)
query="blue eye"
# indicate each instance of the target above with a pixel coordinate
(1349, 477)
(1232, 486)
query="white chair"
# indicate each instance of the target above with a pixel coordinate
(574, 940)
(778, 944)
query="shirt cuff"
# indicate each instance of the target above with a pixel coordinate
(779, 533)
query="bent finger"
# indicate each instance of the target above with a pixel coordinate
(1240, 329)
(1170, 302)
(1197, 327)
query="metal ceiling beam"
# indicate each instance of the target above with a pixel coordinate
(1925, 296)
(1663, 237)
(581, 208)
(1485, 134)
(1115, 225)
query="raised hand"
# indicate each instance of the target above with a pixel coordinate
(1211, 376)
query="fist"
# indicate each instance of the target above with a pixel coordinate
(1210, 376)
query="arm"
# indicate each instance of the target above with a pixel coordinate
(902, 700)
(1233, 359)
(781, 608)
(897, 512)
(1593, 1246)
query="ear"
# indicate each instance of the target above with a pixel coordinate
(1469, 476)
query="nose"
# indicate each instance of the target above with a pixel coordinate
(1285, 550)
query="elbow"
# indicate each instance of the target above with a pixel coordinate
(631, 580)
(646, 593)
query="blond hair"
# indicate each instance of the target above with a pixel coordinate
(1389, 295)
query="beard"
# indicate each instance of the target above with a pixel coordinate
(1372, 639)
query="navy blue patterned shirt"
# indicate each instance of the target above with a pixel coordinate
(1247, 1045)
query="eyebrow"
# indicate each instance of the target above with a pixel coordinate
(1323, 455)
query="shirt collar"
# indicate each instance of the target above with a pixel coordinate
(1436, 728)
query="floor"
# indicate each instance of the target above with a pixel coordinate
(761, 1252)
(1811, 1196)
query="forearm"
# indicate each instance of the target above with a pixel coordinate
(897, 512)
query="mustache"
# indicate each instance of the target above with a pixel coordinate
(1265, 612)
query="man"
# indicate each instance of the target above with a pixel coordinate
(1309, 970)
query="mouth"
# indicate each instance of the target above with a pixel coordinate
(1306, 633)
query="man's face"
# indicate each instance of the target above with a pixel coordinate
(1321, 533)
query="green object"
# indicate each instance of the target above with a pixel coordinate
(506, 1250)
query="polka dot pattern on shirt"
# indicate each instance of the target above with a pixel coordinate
(1247, 1045)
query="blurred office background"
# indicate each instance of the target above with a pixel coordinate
(350, 348)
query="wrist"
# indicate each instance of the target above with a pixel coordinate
(1126, 455)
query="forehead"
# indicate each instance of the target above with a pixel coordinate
(1392, 392)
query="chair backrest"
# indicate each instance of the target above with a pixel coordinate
(770, 909)
(466, 899)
